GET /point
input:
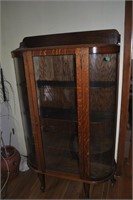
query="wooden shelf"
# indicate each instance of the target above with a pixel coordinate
(102, 84)
(71, 114)
(43, 83)
(59, 113)
(97, 84)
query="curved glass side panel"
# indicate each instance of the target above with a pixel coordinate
(24, 105)
(103, 76)
(56, 90)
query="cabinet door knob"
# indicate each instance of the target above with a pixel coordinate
(107, 58)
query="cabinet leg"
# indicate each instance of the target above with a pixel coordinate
(42, 181)
(113, 180)
(87, 190)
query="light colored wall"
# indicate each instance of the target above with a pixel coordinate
(21, 19)
(0, 31)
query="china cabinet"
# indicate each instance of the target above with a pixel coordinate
(67, 84)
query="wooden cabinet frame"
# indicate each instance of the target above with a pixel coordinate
(81, 52)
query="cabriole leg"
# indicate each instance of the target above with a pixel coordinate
(42, 181)
(87, 190)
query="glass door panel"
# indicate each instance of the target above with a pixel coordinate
(25, 111)
(102, 113)
(56, 89)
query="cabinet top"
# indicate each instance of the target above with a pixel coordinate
(110, 36)
(98, 37)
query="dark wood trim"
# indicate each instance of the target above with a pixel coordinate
(54, 51)
(126, 85)
(62, 50)
(110, 36)
(73, 177)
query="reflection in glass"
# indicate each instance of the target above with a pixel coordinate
(55, 80)
(102, 113)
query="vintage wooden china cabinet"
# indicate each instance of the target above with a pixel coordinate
(67, 85)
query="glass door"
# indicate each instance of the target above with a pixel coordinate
(103, 86)
(25, 112)
(55, 77)
(73, 109)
